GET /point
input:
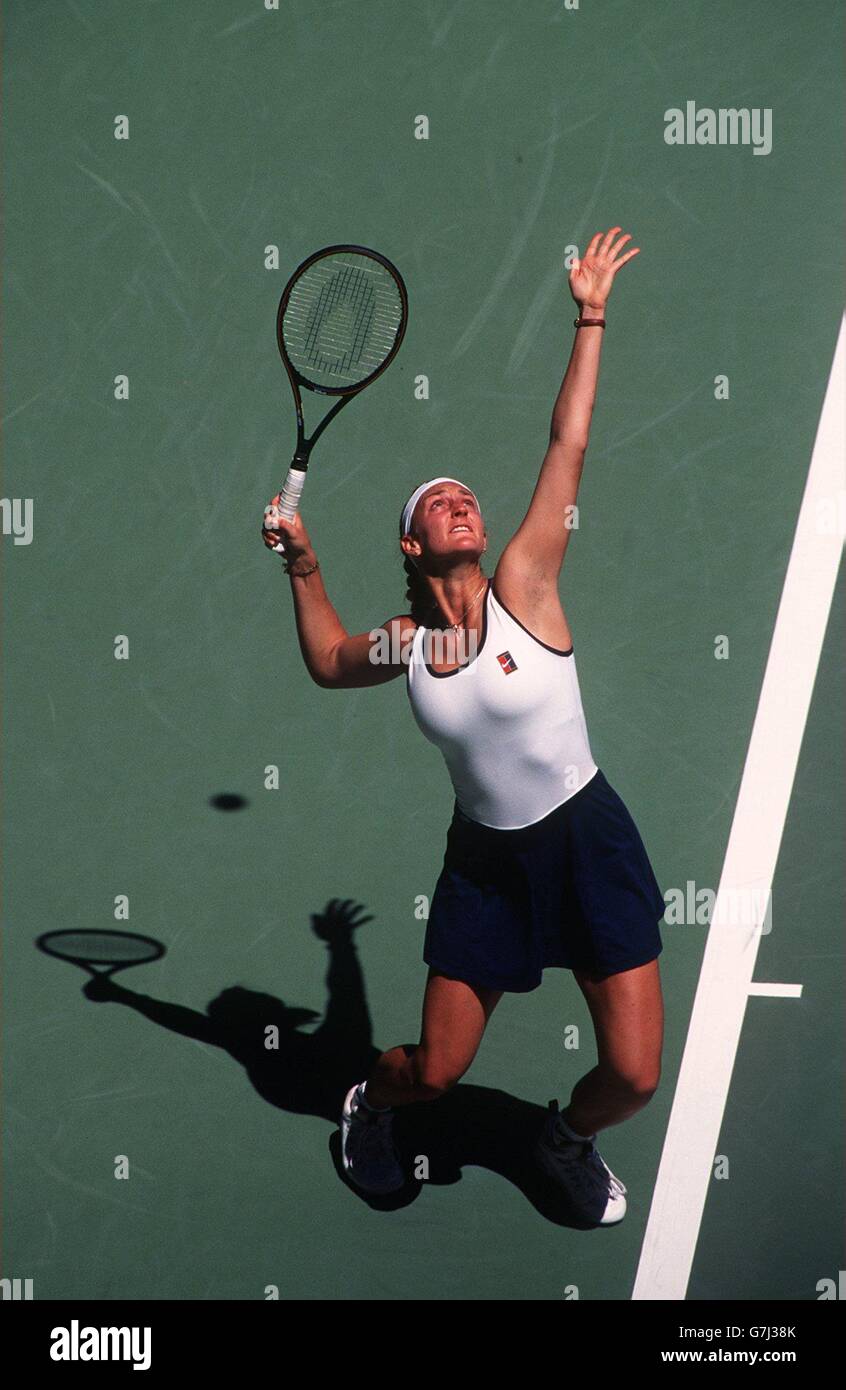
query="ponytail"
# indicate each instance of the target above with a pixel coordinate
(417, 593)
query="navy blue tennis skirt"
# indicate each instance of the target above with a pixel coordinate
(575, 889)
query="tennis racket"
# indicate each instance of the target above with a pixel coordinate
(101, 952)
(341, 319)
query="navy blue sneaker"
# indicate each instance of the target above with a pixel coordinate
(368, 1152)
(576, 1165)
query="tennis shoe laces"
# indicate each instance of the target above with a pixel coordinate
(578, 1167)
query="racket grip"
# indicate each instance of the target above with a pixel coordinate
(289, 496)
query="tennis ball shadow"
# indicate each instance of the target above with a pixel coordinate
(228, 801)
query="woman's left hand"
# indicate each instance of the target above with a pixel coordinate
(592, 276)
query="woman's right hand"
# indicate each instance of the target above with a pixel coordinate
(277, 530)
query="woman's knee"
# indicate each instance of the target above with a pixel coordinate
(637, 1083)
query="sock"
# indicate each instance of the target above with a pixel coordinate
(571, 1133)
(376, 1109)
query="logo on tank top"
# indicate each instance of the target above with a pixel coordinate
(507, 662)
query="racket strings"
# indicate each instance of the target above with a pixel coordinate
(350, 288)
(338, 293)
(323, 340)
(364, 307)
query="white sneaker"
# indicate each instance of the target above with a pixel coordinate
(368, 1153)
(578, 1167)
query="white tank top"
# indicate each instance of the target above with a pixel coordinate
(509, 722)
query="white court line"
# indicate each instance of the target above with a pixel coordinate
(693, 1132)
(776, 991)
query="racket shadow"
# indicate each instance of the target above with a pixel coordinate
(310, 1072)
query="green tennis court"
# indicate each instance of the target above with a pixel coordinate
(170, 769)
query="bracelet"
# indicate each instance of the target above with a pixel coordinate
(588, 323)
(300, 574)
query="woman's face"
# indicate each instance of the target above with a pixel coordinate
(447, 523)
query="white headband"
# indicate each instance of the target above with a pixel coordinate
(408, 509)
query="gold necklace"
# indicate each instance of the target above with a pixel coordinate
(455, 626)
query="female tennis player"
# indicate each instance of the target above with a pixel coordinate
(544, 865)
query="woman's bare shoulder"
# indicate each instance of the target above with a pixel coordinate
(534, 604)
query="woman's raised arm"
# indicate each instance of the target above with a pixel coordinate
(536, 551)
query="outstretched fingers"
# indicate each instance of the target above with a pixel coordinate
(603, 245)
(607, 240)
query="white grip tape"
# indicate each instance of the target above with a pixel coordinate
(289, 497)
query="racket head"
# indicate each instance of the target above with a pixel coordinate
(341, 319)
(101, 952)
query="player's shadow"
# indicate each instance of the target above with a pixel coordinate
(310, 1073)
